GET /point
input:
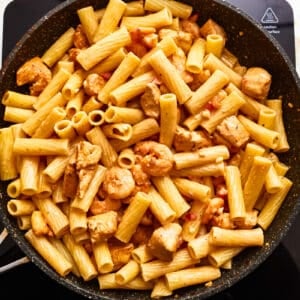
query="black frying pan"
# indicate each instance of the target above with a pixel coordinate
(254, 47)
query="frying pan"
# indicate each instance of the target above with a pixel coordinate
(254, 47)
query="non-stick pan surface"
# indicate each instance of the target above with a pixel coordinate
(254, 48)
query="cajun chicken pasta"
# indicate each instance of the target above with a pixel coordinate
(144, 155)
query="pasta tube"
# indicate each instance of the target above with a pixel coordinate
(20, 207)
(91, 56)
(120, 75)
(103, 257)
(111, 17)
(116, 114)
(88, 20)
(85, 266)
(156, 20)
(16, 114)
(283, 144)
(156, 268)
(206, 91)
(273, 203)
(255, 181)
(191, 276)
(236, 237)
(55, 218)
(59, 48)
(37, 146)
(177, 8)
(107, 281)
(235, 193)
(170, 76)
(170, 193)
(132, 217)
(8, 168)
(194, 61)
(168, 118)
(55, 259)
(266, 137)
(15, 99)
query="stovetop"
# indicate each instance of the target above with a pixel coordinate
(277, 278)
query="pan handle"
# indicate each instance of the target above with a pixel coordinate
(16, 263)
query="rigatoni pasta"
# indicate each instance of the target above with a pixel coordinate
(143, 163)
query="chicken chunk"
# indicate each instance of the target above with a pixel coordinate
(70, 180)
(99, 207)
(211, 27)
(165, 241)
(223, 220)
(102, 227)
(182, 38)
(233, 131)
(80, 169)
(150, 101)
(256, 83)
(36, 73)
(87, 154)
(190, 25)
(178, 59)
(80, 39)
(185, 141)
(120, 254)
(85, 177)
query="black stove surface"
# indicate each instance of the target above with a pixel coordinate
(277, 278)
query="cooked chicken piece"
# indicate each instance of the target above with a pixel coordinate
(182, 39)
(73, 52)
(39, 224)
(87, 154)
(93, 84)
(120, 254)
(81, 169)
(165, 240)
(233, 131)
(178, 59)
(141, 39)
(70, 181)
(190, 25)
(256, 83)
(214, 208)
(80, 39)
(102, 227)
(236, 159)
(185, 140)
(85, 177)
(142, 235)
(36, 73)
(223, 220)
(102, 206)
(211, 27)
(150, 101)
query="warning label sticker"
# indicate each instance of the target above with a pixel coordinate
(269, 17)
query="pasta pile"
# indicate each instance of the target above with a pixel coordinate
(144, 154)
